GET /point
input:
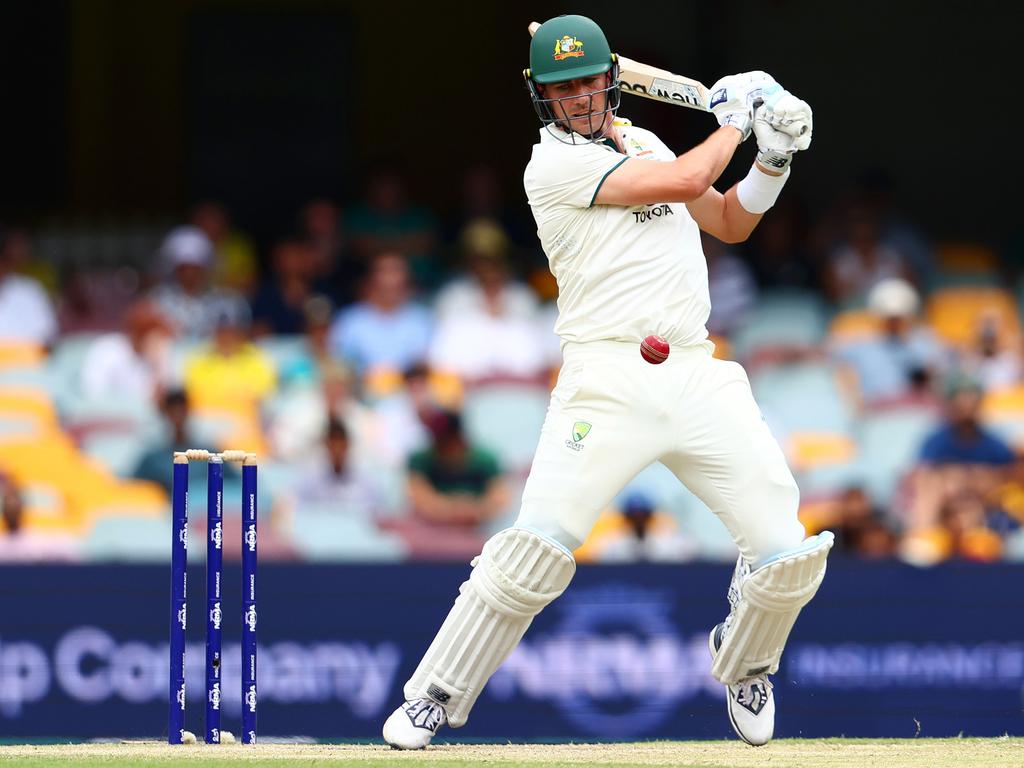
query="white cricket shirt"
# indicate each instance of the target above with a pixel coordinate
(622, 272)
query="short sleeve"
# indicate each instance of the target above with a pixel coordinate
(999, 452)
(486, 464)
(568, 174)
(932, 449)
(419, 462)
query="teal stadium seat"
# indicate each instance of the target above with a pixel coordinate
(124, 538)
(326, 535)
(506, 418)
(118, 451)
(289, 355)
(782, 319)
(802, 397)
(889, 444)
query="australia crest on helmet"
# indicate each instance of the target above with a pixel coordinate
(567, 47)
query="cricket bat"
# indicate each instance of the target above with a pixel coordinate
(658, 84)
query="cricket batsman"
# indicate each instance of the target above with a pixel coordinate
(619, 216)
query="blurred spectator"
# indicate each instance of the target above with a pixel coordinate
(637, 532)
(902, 359)
(731, 285)
(386, 221)
(386, 329)
(336, 270)
(22, 253)
(20, 545)
(960, 456)
(305, 409)
(234, 263)
(155, 464)
(134, 364)
(960, 531)
(26, 314)
(94, 300)
(320, 225)
(279, 306)
(482, 198)
(995, 358)
(306, 368)
(402, 416)
(188, 300)
(965, 527)
(876, 191)
(331, 478)
(230, 368)
(777, 252)
(861, 529)
(487, 322)
(453, 482)
(863, 259)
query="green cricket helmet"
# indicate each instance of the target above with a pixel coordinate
(569, 48)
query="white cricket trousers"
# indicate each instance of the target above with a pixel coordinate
(612, 413)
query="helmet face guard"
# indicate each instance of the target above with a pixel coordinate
(556, 119)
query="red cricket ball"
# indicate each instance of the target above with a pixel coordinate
(654, 349)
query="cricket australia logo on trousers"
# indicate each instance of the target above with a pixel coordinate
(579, 431)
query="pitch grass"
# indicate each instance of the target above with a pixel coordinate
(786, 753)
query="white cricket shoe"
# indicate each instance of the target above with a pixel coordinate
(414, 724)
(751, 703)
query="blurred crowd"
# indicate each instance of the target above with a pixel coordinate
(391, 367)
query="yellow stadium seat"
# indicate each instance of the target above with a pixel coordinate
(956, 313)
(381, 382)
(854, 325)
(79, 489)
(21, 355)
(446, 388)
(966, 257)
(810, 450)
(723, 347)
(30, 404)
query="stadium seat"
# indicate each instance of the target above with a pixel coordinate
(853, 325)
(890, 441)
(782, 319)
(506, 418)
(115, 413)
(803, 397)
(966, 259)
(956, 313)
(129, 538)
(289, 354)
(14, 354)
(325, 535)
(1003, 412)
(118, 451)
(24, 403)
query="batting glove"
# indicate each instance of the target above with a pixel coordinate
(732, 99)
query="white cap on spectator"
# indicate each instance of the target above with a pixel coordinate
(893, 297)
(187, 245)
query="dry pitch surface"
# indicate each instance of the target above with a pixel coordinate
(827, 753)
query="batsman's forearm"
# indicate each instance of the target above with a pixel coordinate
(739, 223)
(706, 162)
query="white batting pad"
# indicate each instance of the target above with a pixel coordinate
(770, 599)
(517, 574)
